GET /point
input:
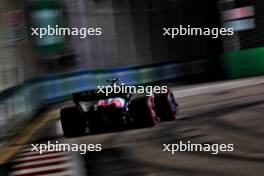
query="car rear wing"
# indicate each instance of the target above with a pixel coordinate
(93, 95)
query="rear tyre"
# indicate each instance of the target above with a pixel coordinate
(142, 111)
(73, 122)
(166, 106)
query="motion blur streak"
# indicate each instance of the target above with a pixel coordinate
(38, 76)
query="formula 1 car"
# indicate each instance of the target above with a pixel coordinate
(95, 112)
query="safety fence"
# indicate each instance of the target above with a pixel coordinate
(19, 104)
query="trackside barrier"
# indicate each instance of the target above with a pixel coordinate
(18, 105)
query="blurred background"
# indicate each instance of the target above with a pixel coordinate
(35, 73)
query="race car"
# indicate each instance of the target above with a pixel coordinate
(95, 112)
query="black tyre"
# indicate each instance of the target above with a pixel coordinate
(142, 111)
(166, 106)
(73, 122)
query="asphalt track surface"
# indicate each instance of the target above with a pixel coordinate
(231, 117)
